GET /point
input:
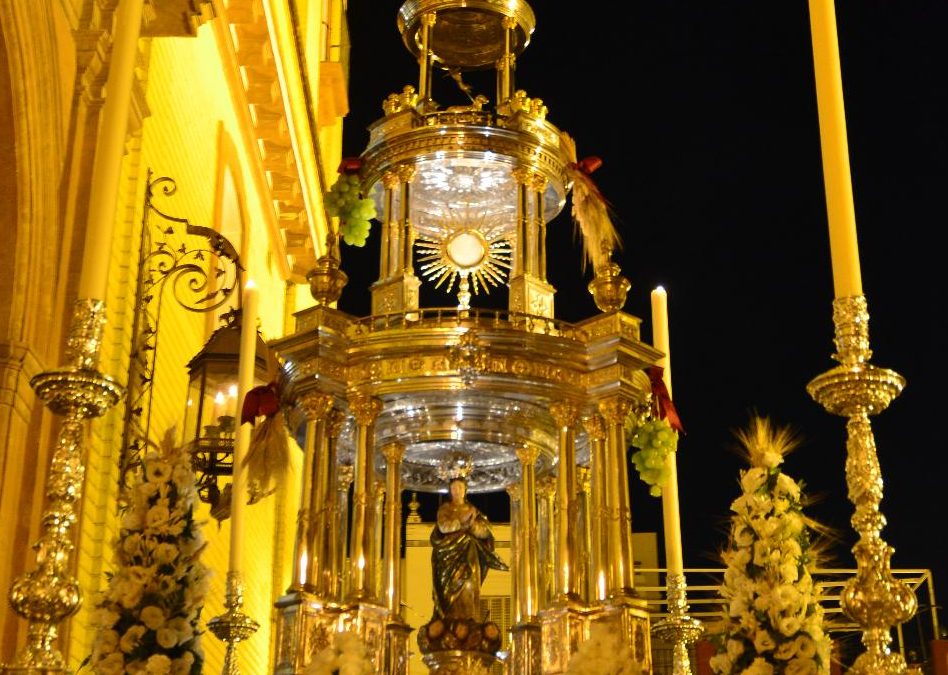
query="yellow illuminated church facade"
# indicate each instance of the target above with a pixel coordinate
(243, 109)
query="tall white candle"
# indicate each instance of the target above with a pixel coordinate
(109, 151)
(841, 213)
(248, 354)
(670, 511)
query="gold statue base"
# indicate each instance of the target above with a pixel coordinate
(525, 649)
(305, 626)
(629, 615)
(396, 648)
(566, 626)
(459, 662)
(369, 621)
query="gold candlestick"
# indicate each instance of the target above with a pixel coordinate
(678, 628)
(856, 389)
(50, 594)
(233, 626)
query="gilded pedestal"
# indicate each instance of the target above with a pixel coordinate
(525, 649)
(49, 594)
(396, 648)
(305, 626)
(457, 662)
(369, 621)
(678, 629)
(855, 389)
(563, 628)
(233, 626)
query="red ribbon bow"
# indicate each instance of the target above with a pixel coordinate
(588, 164)
(585, 167)
(661, 401)
(262, 400)
(350, 165)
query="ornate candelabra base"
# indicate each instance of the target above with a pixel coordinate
(855, 389)
(233, 626)
(678, 629)
(49, 594)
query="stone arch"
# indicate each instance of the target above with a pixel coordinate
(31, 130)
(230, 213)
(32, 134)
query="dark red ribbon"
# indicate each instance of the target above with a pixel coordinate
(588, 164)
(350, 165)
(585, 167)
(263, 400)
(662, 404)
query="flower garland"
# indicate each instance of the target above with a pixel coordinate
(148, 619)
(604, 653)
(347, 655)
(774, 622)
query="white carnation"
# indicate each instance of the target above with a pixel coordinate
(753, 479)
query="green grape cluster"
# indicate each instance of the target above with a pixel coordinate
(654, 440)
(345, 200)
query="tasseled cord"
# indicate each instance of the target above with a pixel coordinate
(590, 209)
(268, 458)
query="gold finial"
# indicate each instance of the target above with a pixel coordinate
(413, 506)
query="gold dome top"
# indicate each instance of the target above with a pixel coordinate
(469, 34)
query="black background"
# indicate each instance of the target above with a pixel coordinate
(704, 114)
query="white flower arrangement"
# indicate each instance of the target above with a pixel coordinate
(774, 622)
(148, 620)
(604, 653)
(347, 655)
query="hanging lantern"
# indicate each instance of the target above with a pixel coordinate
(211, 415)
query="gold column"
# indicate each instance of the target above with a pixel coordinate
(345, 475)
(393, 453)
(856, 389)
(406, 174)
(48, 595)
(585, 578)
(330, 539)
(598, 570)
(308, 561)
(389, 248)
(506, 65)
(546, 522)
(527, 537)
(621, 582)
(424, 58)
(529, 291)
(365, 409)
(541, 233)
(565, 414)
(516, 576)
(378, 545)
(538, 228)
(521, 255)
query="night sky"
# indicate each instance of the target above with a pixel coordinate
(704, 114)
